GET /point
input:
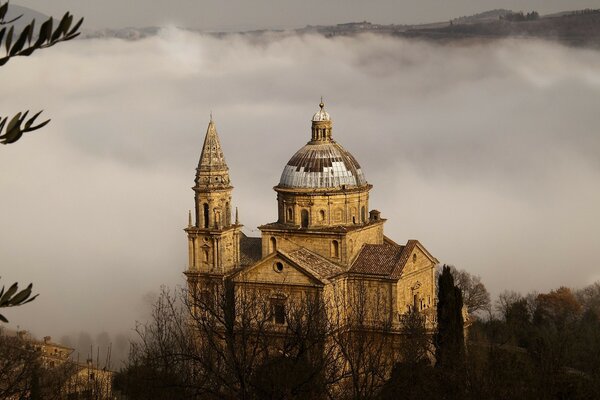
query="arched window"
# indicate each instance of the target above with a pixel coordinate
(363, 215)
(290, 214)
(205, 256)
(335, 249)
(272, 245)
(205, 215)
(322, 215)
(304, 217)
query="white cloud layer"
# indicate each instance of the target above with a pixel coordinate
(487, 153)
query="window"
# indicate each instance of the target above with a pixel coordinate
(278, 311)
(362, 214)
(335, 249)
(414, 258)
(290, 215)
(278, 266)
(272, 245)
(304, 217)
(322, 215)
(205, 215)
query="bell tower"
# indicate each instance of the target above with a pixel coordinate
(213, 235)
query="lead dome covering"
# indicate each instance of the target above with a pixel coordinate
(322, 165)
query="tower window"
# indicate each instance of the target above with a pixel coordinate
(273, 245)
(322, 215)
(205, 215)
(290, 214)
(362, 214)
(304, 217)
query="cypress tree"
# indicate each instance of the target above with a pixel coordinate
(449, 338)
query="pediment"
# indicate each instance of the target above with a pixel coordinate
(279, 269)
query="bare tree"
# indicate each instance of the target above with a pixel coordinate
(363, 336)
(475, 295)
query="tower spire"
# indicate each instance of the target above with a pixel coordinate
(212, 171)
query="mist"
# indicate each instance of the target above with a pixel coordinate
(487, 153)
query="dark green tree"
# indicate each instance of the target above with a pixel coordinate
(12, 298)
(449, 339)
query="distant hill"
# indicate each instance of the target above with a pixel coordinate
(27, 15)
(486, 16)
(580, 28)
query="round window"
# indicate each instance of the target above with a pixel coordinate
(278, 267)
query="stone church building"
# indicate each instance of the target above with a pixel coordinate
(326, 238)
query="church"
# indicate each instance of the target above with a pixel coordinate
(326, 239)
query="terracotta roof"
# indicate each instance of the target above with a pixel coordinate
(404, 256)
(314, 263)
(377, 259)
(250, 250)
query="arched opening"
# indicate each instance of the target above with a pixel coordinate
(205, 256)
(205, 213)
(322, 215)
(290, 215)
(363, 214)
(272, 245)
(335, 249)
(304, 218)
(353, 219)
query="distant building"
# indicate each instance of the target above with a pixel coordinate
(50, 365)
(326, 239)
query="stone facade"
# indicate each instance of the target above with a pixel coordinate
(326, 240)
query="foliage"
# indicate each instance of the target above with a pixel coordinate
(24, 44)
(449, 339)
(222, 344)
(12, 298)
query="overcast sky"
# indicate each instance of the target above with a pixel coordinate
(487, 153)
(244, 14)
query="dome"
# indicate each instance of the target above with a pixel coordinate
(322, 165)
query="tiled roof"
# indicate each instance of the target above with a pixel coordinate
(250, 250)
(377, 259)
(314, 263)
(406, 252)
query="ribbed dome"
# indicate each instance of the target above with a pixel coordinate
(322, 165)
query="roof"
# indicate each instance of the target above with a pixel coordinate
(387, 259)
(314, 263)
(322, 165)
(250, 249)
(377, 259)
